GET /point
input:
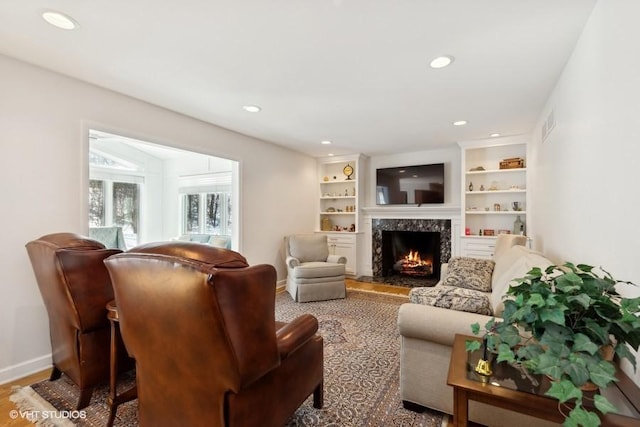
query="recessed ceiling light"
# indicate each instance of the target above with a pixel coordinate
(460, 123)
(325, 142)
(59, 20)
(330, 154)
(441, 61)
(252, 108)
(494, 135)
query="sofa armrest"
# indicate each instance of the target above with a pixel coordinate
(337, 259)
(295, 333)
(292, 262)
(436, 324)
(443, 271)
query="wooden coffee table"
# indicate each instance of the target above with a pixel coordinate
(466, 387)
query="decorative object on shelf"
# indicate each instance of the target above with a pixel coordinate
(516, 206)
(494, 186)
(353, 192)
(471, 186)
(512, 163)
(504, 231)
(518, 226)
(331, 209)
(325, 178)
(481, 187)
(325, 224)
(496, 207)
(467, 231)
(346, 192)
(489, 232)
(335, 177)
(476, 169)
(480, 232)
(352, 228)
(348, 171)
(565, 314)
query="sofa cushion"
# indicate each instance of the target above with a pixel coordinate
(470, 273)
(452, 297)
(318, 269)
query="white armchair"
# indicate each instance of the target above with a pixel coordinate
(312, 273)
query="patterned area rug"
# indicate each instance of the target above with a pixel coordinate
(361, 365)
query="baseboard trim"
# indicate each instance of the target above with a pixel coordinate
(28, 367)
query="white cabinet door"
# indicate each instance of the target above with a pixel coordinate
(344, 245)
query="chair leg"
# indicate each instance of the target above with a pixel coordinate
(85, 397)
(55, 374)
(318, 396)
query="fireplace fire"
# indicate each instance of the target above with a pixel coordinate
(412, 264)
(412, 254)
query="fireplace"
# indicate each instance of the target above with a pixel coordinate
(431, 238)
(414, 254)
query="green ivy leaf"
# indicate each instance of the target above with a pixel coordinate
(595, 330)
(475, 328)
(510, 335)
(582, 299)
(583, 418)
(603, 405)
(564, 390)
(536, 300)
(505, 354)
(549, 365)
(472, 345)
(581, 342)
(603, 373)
(555, 315)
(578, 373)
(623, 351)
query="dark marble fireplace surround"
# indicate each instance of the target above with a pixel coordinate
(378, 225)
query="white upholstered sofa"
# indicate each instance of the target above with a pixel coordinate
(427, 335)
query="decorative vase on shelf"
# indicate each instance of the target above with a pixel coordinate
(518, 226)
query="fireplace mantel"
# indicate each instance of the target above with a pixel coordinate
(413, 212)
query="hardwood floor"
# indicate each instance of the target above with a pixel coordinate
(6, 406)
(377, 287)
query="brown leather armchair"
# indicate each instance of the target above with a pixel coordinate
(200, 324)
(75, 286)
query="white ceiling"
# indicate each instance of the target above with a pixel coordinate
(355, 72)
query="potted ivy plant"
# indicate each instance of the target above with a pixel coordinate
(559, 323)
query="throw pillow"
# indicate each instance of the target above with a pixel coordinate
(453, 298)
(470, 273)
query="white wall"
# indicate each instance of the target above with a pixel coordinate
(44, 122)
(585, 196)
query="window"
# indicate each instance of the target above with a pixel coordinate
(158, 193)
(207, 213)
(206, 204)
(115, 203)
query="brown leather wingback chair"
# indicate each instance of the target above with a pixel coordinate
(200, 324)
(75, 286)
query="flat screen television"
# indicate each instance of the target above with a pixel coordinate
(410, 185)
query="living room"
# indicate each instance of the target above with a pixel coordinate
(580, 175)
